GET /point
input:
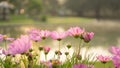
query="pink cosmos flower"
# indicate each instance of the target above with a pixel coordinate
(115, 50)
(87, 36)
(5, 37)
(116, 58)
(80, 66)
(44, 34)
(75, 31)
(46, 49)
(10, 39)
(116, 61)
(34, 34)
(103, 59)
(20, 45)
(58, 35)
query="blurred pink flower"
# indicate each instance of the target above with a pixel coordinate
(5, 37)
(80, 66)
(87, 36)
(116, 58)
(10, 39)
(20, 45)
(116, 61)
(58, 35)
(1, 37)
(75, 31)
(34, 34)
(115, 50)
(46, 49)
(44, 34)
(48, 64)
(103, 59)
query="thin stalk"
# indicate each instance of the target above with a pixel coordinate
(104, 65)
(39, 57)
(79, 47)
(37, 51)
(45, 57)
(59, 46)
(87, 49)
(59, 51)
(24, 61)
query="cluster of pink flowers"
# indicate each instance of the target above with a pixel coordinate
(23, 45)
(46, 49)
(76, 32)
(116, 58)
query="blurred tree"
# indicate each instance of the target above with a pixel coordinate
(54, 6)
(75, 6)
(97, 8)
(50, 6)
(5, 7)
(19, 4)
(34, 7)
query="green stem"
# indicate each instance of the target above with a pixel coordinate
(59, 51)
(79, 46)
(87, 49)
(39, 58)
(24, 61)
(59, 46)
(45, 57)
(104, 65)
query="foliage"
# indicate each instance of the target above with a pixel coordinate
(105, 8)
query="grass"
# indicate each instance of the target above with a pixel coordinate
(17, 19)
(23, 19)
(68, 20)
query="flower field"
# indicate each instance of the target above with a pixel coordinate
(26, 51)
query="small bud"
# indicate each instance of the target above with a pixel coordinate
(58, 53)
(68, 46)
(46, 53)
(79, 57)
(36, 54)
(30, 50)
(66, 53)
(40, 48)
